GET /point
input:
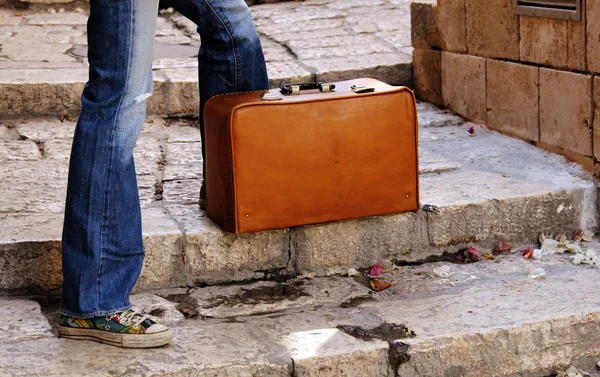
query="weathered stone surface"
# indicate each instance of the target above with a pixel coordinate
(182, 172)
(147, 155)
(58, 149)
(189, 153)
(182, 90)
(45, 129)
(525, 328)
(435, 163)
(544, 41)
(34, 92)
(371, 46)
(55, 52)
(272, 297)
(492, 29)
(43, 169)
(184, 132)
(45, 19)
(22, 320)
(167, 313)
(464, 85)
(427, 75)
(147, 185)
(319, 349)
(395, 69)
(19, 151)
(513, 98)
(286, 72)
(202, 351)
(163, 245)
(565, 110)
(439, 24)
(213, 255)
(576, 48)
(593, 36)
(359, 243)
(182, 191)
(597, 117)
(32, 195)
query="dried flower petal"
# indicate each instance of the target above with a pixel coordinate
(380, 285)
(502, 248)
(352, 272)
(577, 235)
(376, 270)
(488, 256)
(588, 236)
(472, 255)
(472, 130)
(528, 253)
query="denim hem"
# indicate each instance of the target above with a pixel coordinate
(95, 314)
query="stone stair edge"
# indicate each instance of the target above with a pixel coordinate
(179, 238)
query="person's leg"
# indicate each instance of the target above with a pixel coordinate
(102, 239)
(231, 58)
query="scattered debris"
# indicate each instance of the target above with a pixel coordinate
(376, 270)
(430, 208)
(307, 275)
(528, 253)
(472, 255)
(561, 244)
(65, 118)
(389, 332)
(578, 235)
(188, 311)
(352, 272)
(158, 312)
(537, 273)
(443, 271)
(472, 131)
(380, 285)
(488, 256)
(459, 259)
(502, 248)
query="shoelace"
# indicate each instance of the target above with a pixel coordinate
(126, 318)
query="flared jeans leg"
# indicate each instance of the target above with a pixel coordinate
(102, 235)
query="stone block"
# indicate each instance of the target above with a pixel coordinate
(182, 91)
(593, 35)
(513, 98)
(32, 195)
(576, 48)
(544, 41)
(163, 246)
(464, 85)
(427, 75)
(361, 242)
(597, 117)
(36, 92)
(213, 255)
(19, 151)
(182, 191)
(566, 111)
(395, 68)
(440, 26)
(287, 72)
(513, 210)
(45, 129)
(22, 320)
(492, 29)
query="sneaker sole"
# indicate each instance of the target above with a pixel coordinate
(115, 339)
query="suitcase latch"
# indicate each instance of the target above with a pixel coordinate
(268, 96)
(362, 89)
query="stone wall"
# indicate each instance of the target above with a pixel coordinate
(532, 78)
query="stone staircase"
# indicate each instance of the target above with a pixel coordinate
(249, 309)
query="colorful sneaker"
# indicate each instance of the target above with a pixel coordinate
(125, 329)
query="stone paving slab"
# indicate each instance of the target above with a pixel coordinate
(484, 319)
(489, 188)
(302, 41)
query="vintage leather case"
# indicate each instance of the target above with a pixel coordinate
(310, 158)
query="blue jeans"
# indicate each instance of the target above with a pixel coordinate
(102, 235)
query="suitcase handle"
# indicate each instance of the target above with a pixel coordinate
(294, 89)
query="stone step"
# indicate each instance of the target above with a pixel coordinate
(330, 41)
(485, 319)
(489, 188)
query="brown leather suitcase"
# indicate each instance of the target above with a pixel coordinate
(346, 150)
